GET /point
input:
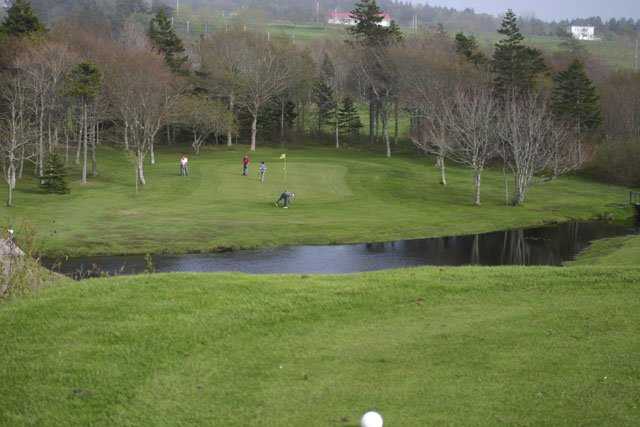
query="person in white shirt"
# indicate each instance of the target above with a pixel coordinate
(184, 166)
(262, 171)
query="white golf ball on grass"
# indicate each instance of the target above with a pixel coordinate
(371, 419)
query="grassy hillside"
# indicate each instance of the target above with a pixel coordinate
(468, 346)
(621, 251)
(343, 196)
(616, 53)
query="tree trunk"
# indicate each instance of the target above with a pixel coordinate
(12, 173)
(21, 171)
(140, 168)
(12, 182)
(371, 122)
(385, 129)
(303, 115)
(229, 133)
(521, 184)
(506, 184)
(282, 105)
(49, 135)
(395, 120)
(66, 144)
(126, 135)
(377, 119)
(94, 144)
(443, 173)
(80, 127)
(477, 181)
(152, 152)
(40, 160)
(85, 143)
(337, 128)
(254, 131)
(196, 143)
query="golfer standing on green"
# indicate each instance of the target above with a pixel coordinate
(245, 165)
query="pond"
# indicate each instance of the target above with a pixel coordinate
(549, 245)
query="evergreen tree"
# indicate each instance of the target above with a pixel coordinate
(468, 48)
(166, 41)
(324, 93)
(21, 20)
(368, 29)
(574, 98)
(349, 118)
(54, 179)
(269, 121)
(515, 65)
(324, 98)
(370, 34)
(84, 83)
(572, 46)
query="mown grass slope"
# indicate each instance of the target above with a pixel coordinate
(467, 346)
(620, 251)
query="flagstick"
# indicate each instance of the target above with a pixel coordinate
(285, 173)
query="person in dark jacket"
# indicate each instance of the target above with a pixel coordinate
(285, 198)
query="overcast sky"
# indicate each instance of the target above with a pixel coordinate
(549, 9)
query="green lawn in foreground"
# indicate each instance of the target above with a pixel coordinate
(343, 196)
(440, 346)
(619, 251)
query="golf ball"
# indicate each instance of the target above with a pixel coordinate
(371, 419)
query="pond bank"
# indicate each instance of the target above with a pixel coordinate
(548, 246)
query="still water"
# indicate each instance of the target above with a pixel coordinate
(551, 245)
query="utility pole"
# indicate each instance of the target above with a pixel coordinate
(177, 7)
(636, 65)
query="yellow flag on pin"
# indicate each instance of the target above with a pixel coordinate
(283, 156)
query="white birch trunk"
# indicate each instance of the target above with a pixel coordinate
(85, 143)
(254, 131)
(229, 133)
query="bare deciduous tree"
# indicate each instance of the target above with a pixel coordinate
(145, 91)
(44, 66)
(203, 117)
(13, 128)
(471, 121)
(263, 75)
(535, 142)
(222, 57)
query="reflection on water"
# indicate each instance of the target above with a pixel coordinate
(551, 245)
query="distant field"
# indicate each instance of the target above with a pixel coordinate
(616, 53)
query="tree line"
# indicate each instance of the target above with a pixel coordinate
(405, 13)
(67, 89)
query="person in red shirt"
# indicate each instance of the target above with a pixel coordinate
(245, 165)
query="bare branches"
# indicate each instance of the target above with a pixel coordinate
(204, 117)
(535, 142)
(262, 75)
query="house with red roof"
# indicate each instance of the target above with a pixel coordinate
(345, 18)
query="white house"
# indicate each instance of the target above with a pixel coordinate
(583, 33)
(345, 18)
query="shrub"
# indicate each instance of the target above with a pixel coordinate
(54, 179)
(617, 163)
